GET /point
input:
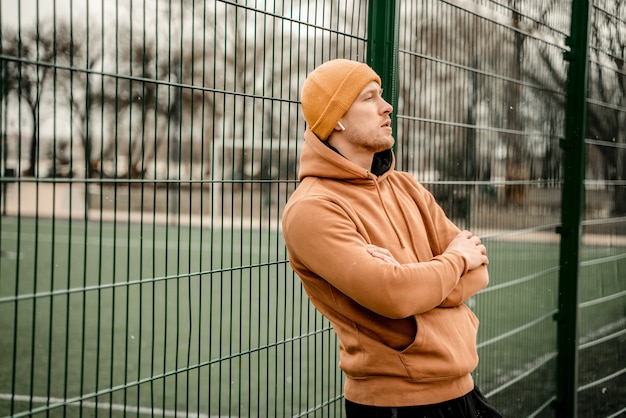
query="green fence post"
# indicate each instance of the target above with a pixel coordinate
(382, 49)
(572, 206)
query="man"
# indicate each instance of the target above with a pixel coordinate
(378, 257)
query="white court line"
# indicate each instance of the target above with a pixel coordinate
(101, 405)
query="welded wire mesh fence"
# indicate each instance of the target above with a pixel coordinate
(602, 279)
(480, 122)
(148, 148)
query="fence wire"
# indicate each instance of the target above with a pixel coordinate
(147, 150)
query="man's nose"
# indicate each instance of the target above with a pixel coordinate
(387, 108)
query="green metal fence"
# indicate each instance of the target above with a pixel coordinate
(147, 150)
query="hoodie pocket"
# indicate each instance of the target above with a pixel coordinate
(445, 345)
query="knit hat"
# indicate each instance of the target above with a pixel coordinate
(329, 91)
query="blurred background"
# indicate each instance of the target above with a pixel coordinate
(147, 149)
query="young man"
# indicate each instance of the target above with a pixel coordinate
(378, 257)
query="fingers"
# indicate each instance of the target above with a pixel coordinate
(483, 252)
(467, 234)
(382, 254)
(476, 241)
(486, 259)
(473, 238)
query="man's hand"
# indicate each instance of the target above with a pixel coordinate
(382, 254)
(471, 248)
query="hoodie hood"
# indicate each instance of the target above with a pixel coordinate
(321, 160)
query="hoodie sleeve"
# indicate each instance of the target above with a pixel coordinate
(324, 243)
(471, 281)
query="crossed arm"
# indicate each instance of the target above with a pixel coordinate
(475, 254)
(470, 246)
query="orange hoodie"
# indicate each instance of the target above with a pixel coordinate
(406, 336)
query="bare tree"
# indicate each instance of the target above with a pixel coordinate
(607, 117)
(131, 95)
(73, 83)
(607, 90)
(445, 91)
(37, 53)
(9, 75)
(156, 106)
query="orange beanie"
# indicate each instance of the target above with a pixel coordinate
(329, 91)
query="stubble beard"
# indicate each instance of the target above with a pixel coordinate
(374, 142)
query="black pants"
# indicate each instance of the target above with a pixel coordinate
(472, 405)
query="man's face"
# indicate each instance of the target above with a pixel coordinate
(367, 122)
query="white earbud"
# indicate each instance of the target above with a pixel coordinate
(343, 128)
